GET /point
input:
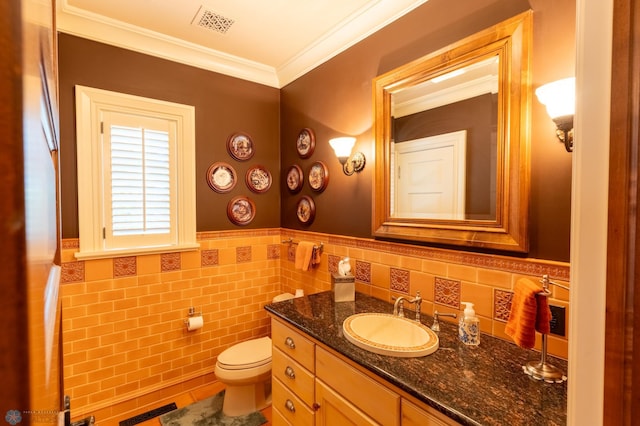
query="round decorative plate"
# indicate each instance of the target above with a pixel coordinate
(306, 143)
(306, 210)
(241, 210)
(258, 179)
(295, 178)
(318, 176)
(240, 146)
(221, 177)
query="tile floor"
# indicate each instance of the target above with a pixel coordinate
(192, 396)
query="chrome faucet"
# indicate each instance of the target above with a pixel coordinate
(436, 323)
(398, 306)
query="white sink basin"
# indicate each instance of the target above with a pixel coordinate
(387, 334)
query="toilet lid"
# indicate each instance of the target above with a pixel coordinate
(252, 353)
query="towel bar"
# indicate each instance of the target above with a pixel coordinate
(542, 370)
(315, 246)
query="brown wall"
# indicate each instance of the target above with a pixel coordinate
(335, 99)
(224, 106)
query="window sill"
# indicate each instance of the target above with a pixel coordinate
(90, 255)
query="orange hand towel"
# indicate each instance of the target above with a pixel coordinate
(529, 312)
(303, 255)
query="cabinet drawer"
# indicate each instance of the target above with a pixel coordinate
(412, 415)
(278, 419)
(292, 408)
(292, 343)
(293, 375)
(371, 397)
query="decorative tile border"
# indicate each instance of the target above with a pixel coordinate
(332, 263)
(534, 267)
(447, 292)
(502, 304)
(209, 257)
(216, 235)
(363, 272)
(273, 251)
(399, 280)
(525, 266)
(72, 272)
(170, 262)
(125, 266)
(291, 253)
(243, 254)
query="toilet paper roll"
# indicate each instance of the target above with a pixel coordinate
(194, 323)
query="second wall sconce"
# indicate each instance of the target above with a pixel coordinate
(350, 163)
(560, 99)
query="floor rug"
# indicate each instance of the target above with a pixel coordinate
(208, 412)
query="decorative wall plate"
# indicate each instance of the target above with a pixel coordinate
(240, 146)
(306, 210)
(318, 176)
(221, 177)
(306, 143)
(241, 210)
(258, 179)
(295, 178)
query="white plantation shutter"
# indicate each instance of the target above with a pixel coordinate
(136, 180)
(138, 187)
(140, 193)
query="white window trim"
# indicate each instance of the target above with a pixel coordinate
(90, 103)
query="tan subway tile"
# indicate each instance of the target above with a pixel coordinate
(227, 256)
(149, 264)
(100, 330)
(462, 273)
(494, 278)
(381, 293)
(380, 275)
(422, 282)
(411, 263)
(110, 295)
(557, 346)
(434, 267)
(98, 269)
(480, 295)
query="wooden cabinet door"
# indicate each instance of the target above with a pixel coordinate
(333, 409)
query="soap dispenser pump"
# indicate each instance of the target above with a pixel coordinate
(469, 326)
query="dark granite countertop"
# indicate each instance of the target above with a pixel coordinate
(482, 385)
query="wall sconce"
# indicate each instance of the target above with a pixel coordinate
(560, 99)
(350, 163)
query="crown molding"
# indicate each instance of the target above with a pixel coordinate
(79, 22)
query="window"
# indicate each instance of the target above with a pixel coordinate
(136, 184)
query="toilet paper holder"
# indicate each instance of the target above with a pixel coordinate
(192, 313)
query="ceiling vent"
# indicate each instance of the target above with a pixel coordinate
(212, 21)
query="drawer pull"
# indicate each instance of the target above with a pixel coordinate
(289, 406)
(289, 372)
(289, 342)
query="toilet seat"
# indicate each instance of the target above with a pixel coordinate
(245, 355)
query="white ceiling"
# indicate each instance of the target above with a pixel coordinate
(271, 42)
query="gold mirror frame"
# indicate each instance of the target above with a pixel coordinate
(511, 41)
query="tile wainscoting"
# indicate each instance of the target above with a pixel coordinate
(123, 330)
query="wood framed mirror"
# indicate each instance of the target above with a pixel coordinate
(452, 143)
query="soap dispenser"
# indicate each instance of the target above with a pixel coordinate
(469, 326)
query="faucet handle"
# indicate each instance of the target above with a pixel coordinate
(436, 322)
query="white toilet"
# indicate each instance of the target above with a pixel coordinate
(245, 369)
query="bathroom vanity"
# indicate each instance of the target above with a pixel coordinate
(320, 378)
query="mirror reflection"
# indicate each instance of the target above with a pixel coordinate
(452, 143)
(444, 145)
